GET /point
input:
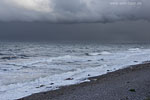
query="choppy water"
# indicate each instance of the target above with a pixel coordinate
(30, 67)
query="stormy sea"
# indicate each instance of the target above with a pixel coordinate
(33, 67)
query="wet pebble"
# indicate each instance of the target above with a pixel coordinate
(51, 83)
(132, 90)
(128, 82)
(40, 86)
(69, 79)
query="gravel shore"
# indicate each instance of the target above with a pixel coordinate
(132, 83)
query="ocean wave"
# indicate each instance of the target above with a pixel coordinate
(75, 69)
(134, 49)
(96, 53)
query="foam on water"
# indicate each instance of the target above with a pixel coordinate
(101, 53)
(23, 77)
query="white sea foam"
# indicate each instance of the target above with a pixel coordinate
(101, 53)
(105, 53)
(49, 73)
(134, 49)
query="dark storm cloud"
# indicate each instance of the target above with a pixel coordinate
(31, 19)
(60, 11)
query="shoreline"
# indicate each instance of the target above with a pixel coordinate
(131, 83)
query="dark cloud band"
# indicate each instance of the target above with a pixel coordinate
(62, 11)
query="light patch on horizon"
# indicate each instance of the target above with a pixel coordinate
(35, 5)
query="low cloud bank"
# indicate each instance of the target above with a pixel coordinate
(74, 11)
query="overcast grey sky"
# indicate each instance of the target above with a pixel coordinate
(74, 10)
(72, 19)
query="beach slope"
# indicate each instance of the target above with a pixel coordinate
(132, 83)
